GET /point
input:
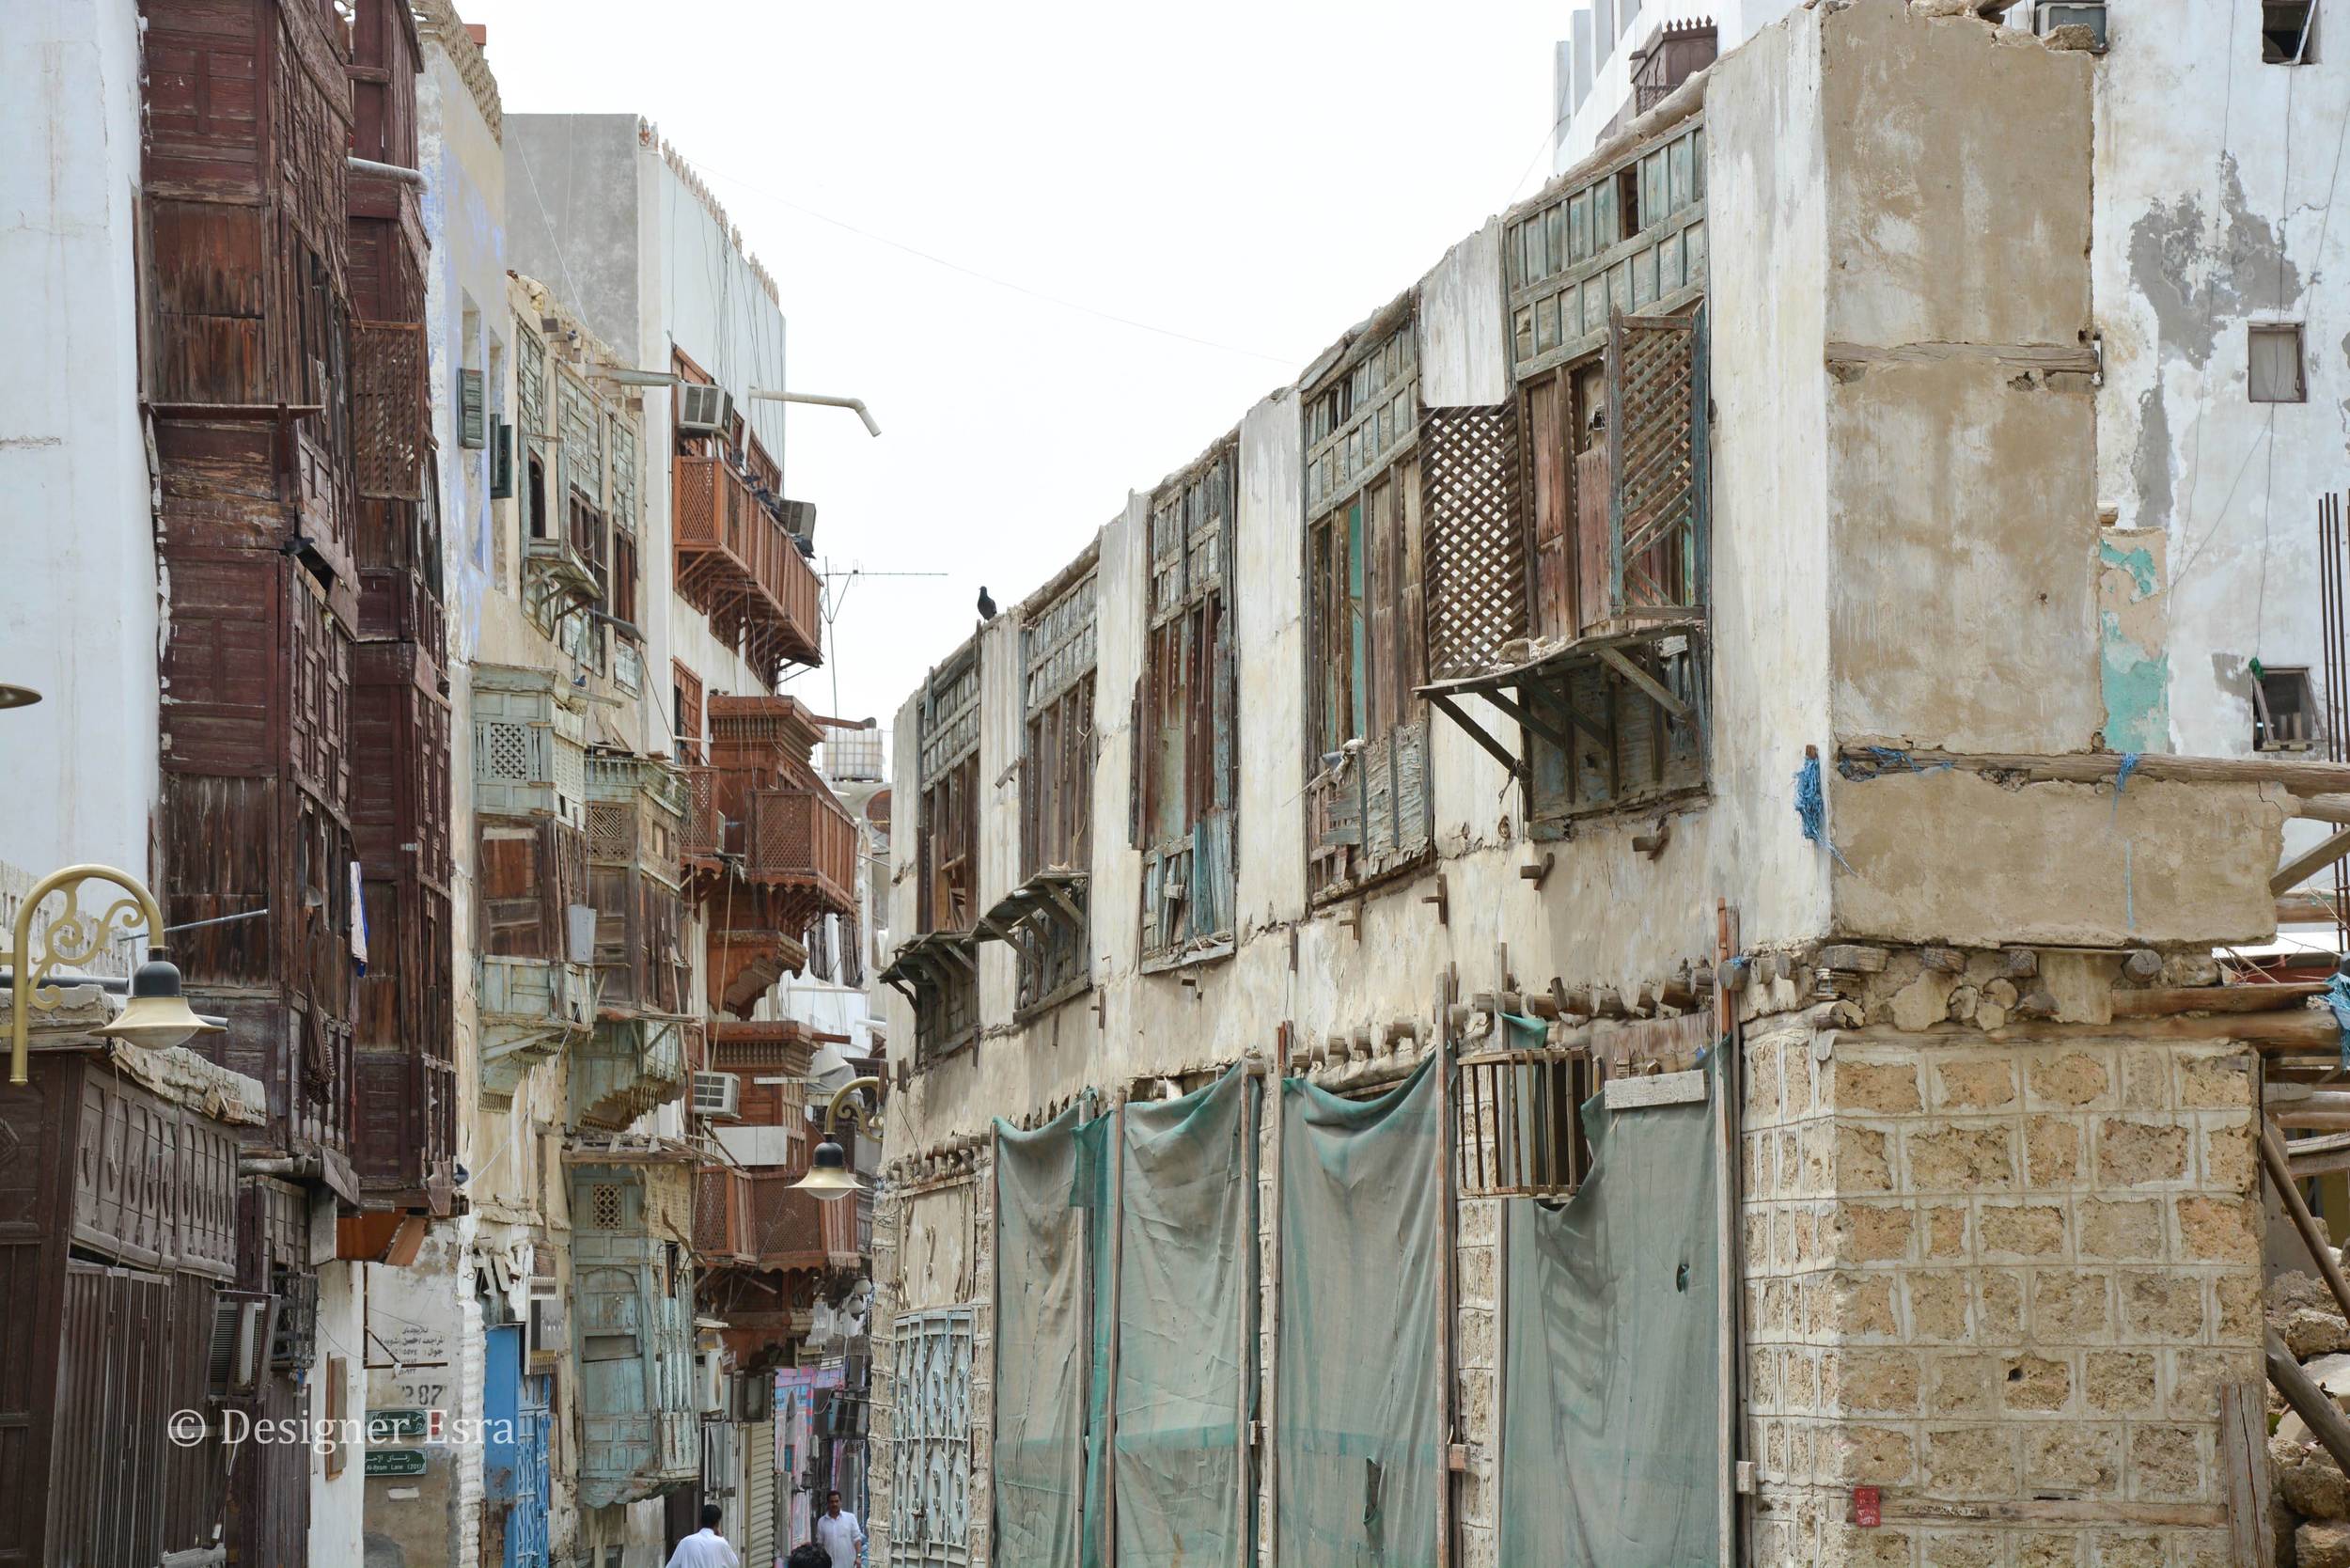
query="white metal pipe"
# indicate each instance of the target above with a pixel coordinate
(857, 403)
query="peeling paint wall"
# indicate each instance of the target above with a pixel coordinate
(2213, 182)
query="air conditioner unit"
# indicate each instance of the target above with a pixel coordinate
(2048, 15)
(704, 410)
(244, 1322)
(753, 1397)
(718, 1096)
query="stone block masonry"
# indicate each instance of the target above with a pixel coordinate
(2002, 1283)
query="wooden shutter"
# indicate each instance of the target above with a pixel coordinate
(1657, 421)
(469, 409)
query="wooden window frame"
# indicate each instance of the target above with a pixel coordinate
(948, 844)
(1365, 604)
(687, 728)
(1184, 809)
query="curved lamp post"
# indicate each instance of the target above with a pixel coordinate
(829, 1174)
(157, 1016)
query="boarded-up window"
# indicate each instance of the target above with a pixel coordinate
(685, 719)
(1367, 798)
(949, 845)
(2273, 368)
(1048, 920)
(1186, 741)
(1057, 761)
(529, 875)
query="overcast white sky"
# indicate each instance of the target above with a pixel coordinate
(1257, 175)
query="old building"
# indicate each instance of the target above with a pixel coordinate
(421, 652)
(1665, 643)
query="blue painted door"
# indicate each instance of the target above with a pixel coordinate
(514, 1406)
(526, 1527)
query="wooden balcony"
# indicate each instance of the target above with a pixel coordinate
(625, 1069)
(530, 1008)
(739, 565)
(803, 838)
(760, 1220)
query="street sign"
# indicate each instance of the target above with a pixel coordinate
(390, 1426)
(395, 1462)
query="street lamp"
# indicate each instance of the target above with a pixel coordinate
(157, 1016)
(829, 1177)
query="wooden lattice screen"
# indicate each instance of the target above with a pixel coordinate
(1656, 411)
(388, 408)
(1476, 542)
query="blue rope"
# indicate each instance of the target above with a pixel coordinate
(2337, 999)
(1812, 808)
(1882, 759)
(2122, 775)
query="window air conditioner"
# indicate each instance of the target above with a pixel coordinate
(718, 1096)
(704, 410)
(2051, 14)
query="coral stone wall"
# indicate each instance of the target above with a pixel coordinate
(2004, 1283)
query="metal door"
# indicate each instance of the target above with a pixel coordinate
(526, 1525)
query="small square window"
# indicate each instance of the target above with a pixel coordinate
(2288, 32)
(2284, 711)
(2273, 364)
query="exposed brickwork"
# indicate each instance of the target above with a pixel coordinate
(1979, 1274)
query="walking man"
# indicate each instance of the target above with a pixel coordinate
(838, 1532)
(705, 1548)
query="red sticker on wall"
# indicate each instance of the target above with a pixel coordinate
(1868, 1509)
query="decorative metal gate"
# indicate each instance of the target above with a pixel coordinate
(930, 1516)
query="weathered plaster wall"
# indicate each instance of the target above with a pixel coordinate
(79, 602)
(467, 321)
(1269, 621)
(1962, 518)
(1766, 152)
(572, 216)
(1464, 330)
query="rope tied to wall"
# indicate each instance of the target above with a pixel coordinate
(1876, 762)
(1811, 805)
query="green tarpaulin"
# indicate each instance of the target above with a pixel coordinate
(1048, 1196)
(1611, 1440)
(1357, 1411)
(1167, 1190)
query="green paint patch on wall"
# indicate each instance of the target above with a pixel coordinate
(2136, 690)
(2139, 564)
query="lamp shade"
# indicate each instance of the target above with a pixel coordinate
(157, 1017)
(829, 1174)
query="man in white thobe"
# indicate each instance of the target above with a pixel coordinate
(839, 1533)
(705, 1548)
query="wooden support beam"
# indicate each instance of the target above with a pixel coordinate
(2168, 1001)
(1658, 693)
(2298, 870)
(2316, 1407)
(1477, 732)
(2326, 809)
(2280, 1176)
(2098, 767)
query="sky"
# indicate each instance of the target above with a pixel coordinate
(1133, 222)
